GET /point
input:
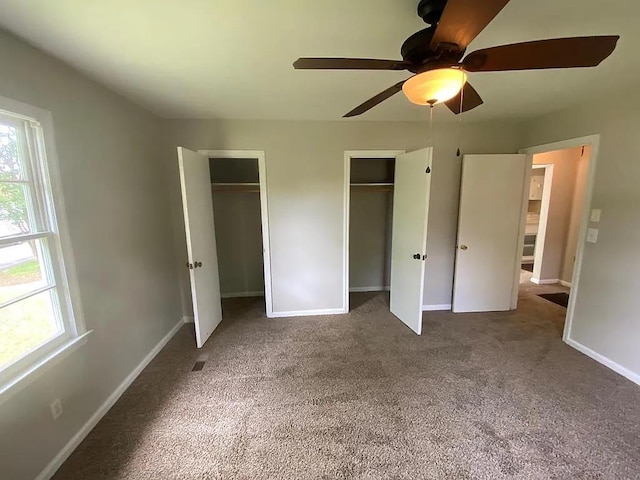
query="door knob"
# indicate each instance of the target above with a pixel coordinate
(464, 247)
(198, 264)
(417, 256)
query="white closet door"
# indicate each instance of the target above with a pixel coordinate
(197, 204)
(489, 222)
(409, 237)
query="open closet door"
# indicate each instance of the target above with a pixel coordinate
(409, 237)
(491, 208)
(197, 204)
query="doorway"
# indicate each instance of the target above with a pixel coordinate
(369, 188)
(370, 221)
(386, 208)
(203, 175)
(556, 201)
(238, 189)
(558, 210)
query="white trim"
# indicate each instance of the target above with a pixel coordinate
(616, 367)
(348, 155)
(541, 235)
(80, 435)
(40, 366)
(264, 211)
(309, 313)
(436, 308)
(549, 281)
(369, 289)
(565, 284)
(24, 238)
(524, 207)
(188, 319)
(594, 142)
(41, 145)
(242, 294)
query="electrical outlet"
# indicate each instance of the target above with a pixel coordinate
(56, 408)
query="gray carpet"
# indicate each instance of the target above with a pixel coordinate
(479, 396)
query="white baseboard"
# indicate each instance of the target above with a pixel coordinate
(72, 444)
(551, 281)
(369, 289)
(308, 313)
(436, 308)
(187, 319)
(242, 294)
(625, 372)
(565, 284)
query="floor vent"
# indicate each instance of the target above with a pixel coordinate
(198, 366)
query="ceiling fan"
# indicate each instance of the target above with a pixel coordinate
(435, 56)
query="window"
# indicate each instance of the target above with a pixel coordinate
(37, 318)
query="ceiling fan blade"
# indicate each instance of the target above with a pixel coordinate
(379, 98)
(470, 100)
(554, 53)
(348, 64)
(463, 20)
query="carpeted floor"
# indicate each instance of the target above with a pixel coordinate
(479, 396)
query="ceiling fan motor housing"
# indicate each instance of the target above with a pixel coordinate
(417, 52)
(431, 10)
(416, 49)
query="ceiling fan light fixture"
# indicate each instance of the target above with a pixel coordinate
(434, 86)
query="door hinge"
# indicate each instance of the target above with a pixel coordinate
(189, 265)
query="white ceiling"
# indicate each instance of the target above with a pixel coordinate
(232, 58)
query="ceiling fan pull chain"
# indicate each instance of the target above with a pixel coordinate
(430, 124)
(458, 153)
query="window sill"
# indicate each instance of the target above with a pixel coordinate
(38, 368)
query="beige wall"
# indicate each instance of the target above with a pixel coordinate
(607, 303)
(577, 207)
(123, 249)
(305, 176)
(556, 234)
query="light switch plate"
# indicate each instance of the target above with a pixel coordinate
(595, 215)
(592, 235)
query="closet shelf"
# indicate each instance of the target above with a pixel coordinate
(375, 184)
(236, 187)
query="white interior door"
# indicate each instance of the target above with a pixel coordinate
(409, 237)
(490, 217)
(197, 204)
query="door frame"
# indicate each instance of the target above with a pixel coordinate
(348, 155)
(260, 156)
(541, 236)
(594, 142)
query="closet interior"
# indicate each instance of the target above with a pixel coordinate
(236, 194)
(370, 223)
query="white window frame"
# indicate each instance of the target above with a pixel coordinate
(47, 181)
